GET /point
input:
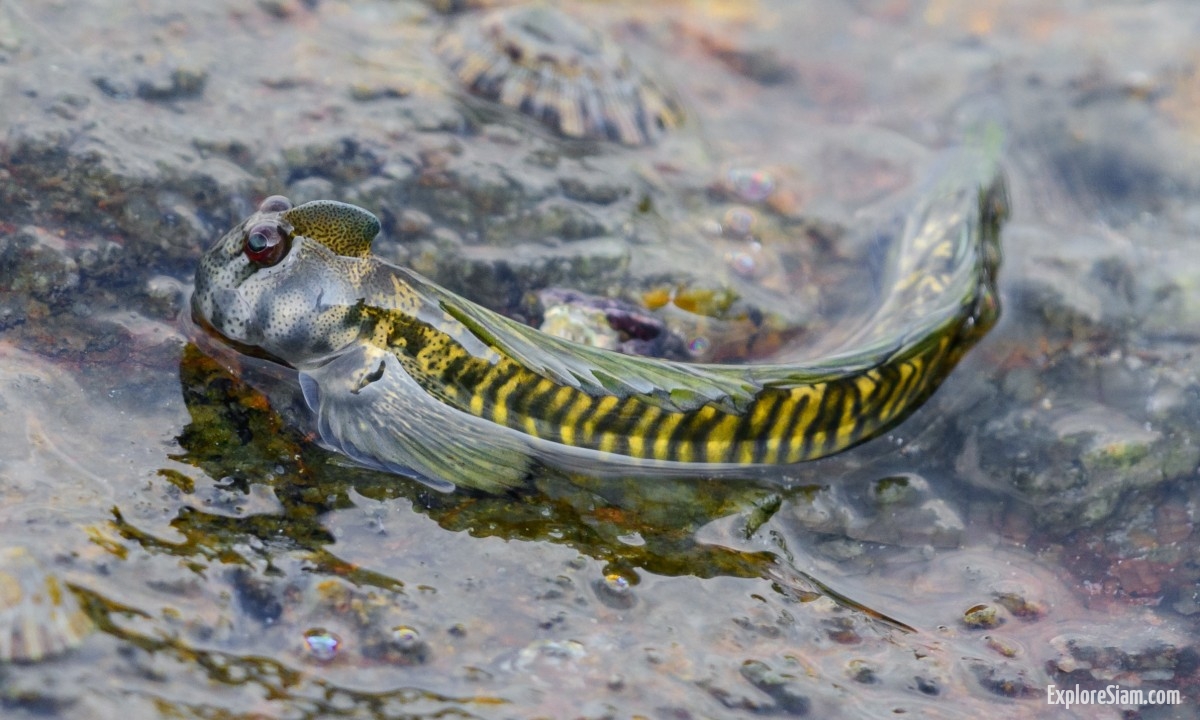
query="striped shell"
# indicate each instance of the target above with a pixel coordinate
(550, 66)
(39, 617)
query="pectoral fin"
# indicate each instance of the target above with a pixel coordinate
(370, 409)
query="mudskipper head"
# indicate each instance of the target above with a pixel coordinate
(285, 280)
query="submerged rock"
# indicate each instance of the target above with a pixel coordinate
(1097, 658)
(899, 510)
(544, 63)
(1073, 463)
(38, 264)
(608, 323)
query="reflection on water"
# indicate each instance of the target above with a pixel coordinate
(300, 578)
(235, 435)
(273, 553)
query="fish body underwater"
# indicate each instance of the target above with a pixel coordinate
(408, 377)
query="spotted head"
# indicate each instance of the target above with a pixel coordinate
(285, 281)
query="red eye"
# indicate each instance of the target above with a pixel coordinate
(265, 245)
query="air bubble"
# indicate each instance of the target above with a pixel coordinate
(751, 185)
(405, 636)
(322, 644)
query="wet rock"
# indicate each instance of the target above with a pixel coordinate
(903, 511)
(259, 598)
(894, 490)
(820, 509)
(475, 192)
(1019, 605)
(1140, 577)
(380, 194)
(364, 92)
(1095, 167)
(36, 263)
(926, 685)
(1007, 679)
(1171, 302)
(401, 645)
(155, 83)
(12, 311)
(862, 671)
(500, 277)
(1001, 646)
(336, 155)
(1188, 601)
(412, 223)
(555, 218)
(1100, 657)
(843, 629)
(1073, 463)
(309, 189)
(615, 591)
(1066, 283)
(99, 258)
(165, 201)
(451, 7)
(982, 617)
(166, 222)
(607, 323)
(595, 188)
(781, 687)
(932, 522)
(898, 510)
(762, 65)
(47, 694)
(284, 9)
(174, 84)
(166, 296)
(555, 653)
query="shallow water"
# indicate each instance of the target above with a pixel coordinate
(1032, 525)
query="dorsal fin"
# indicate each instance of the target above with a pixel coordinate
(344, 229)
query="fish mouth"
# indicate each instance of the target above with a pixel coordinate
(197, 329)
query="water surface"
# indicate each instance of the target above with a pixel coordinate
(1032, 525)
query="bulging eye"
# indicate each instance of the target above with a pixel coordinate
(265, 244)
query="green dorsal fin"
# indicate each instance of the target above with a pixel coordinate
(344, 229)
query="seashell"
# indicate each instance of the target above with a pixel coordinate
(39, 616)
(550, 66)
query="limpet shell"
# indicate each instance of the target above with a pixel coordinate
(39, 616)
(552, 67)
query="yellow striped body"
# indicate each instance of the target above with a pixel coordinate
(941, 300)
(406, 376)
(778, 426)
